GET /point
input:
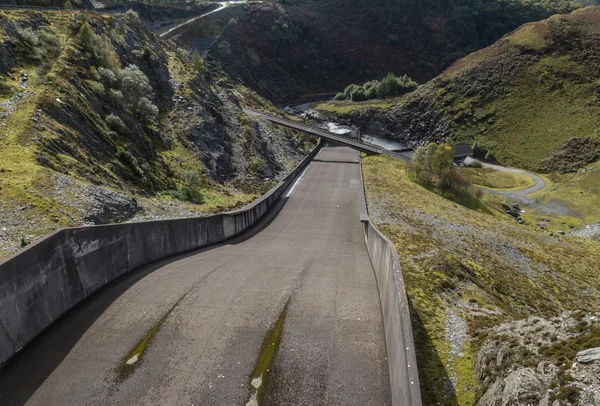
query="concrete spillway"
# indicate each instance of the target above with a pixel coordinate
(208, 316)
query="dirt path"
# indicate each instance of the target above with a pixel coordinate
(518, 195)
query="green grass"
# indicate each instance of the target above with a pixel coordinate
(493, 179)
(543, 107)
(451, 254)
(580, 192)
(345, 107)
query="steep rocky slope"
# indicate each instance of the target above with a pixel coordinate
(499, 310)
(532, 100)
(100, 120)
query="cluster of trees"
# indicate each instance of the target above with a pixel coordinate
(129, 87)
(391, 85)
(433, 167)
(285, 33)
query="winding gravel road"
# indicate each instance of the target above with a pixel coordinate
(518, 195)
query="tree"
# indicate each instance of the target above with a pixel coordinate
(198, 62)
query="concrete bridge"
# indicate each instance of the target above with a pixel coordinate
(369, 149)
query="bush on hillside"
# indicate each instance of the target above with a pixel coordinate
(42, 46)
(130, 87)
(388, 86)
(198, 62)
(131, 17)
(433, 167)
(96, 47)
(116, 124)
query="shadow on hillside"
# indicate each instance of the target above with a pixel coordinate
(436, 387)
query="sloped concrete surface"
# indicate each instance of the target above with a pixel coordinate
(225, 300)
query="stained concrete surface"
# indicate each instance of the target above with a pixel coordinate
(332, 351)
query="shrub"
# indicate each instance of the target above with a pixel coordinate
(433, 168)
(388, 86)
(145, 109)
(131, 17)
(27, 38)
(134, 84)
(350, 89)
(96, 87)
(358, 95)
(107, 77)
(190, 190)
(96, 47)
(116, 124)
(43, 46)
(198, 63)
(130, 161)
(116, 96)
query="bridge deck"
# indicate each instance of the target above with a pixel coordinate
(332, 350)
(354, 144)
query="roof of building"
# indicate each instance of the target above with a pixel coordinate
(462, 150)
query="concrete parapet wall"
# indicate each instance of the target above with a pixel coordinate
(402, 359)
(40, 284)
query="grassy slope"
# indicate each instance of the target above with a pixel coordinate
(578, 191)
(494, 179)
(547, 96)
(483, 267)
(521, 98)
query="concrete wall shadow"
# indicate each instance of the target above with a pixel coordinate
(436, 386)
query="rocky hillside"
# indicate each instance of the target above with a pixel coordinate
(101, 121)
(501, 311)
(305, 47)
(531, 100)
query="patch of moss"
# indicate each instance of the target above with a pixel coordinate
(266, 357)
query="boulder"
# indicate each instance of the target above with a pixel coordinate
(520, 384)
(589, 356)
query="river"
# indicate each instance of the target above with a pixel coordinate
(306, 110)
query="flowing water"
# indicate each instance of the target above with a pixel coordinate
(305, 110)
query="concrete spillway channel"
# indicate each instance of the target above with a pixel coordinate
(289, 316)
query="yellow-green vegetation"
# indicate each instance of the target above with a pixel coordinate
(266, 357)
(344, 107)
(543, 107)
(493, 179)
(578, 193)
(135, 356)
(528, 107)
(481, 266)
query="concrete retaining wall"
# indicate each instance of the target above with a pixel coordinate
(402, 359)
(40, 284)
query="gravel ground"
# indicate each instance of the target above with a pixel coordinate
(590, 231)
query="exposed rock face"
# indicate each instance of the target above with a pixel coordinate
(535, 362)
(416, 123)
(522, 384)
(110, 207)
